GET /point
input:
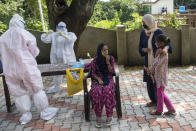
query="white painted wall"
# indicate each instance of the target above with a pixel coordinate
(156, 8)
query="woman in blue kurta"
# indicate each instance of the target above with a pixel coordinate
(148, 49)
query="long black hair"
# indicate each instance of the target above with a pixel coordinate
(162, 38)
(101, 62)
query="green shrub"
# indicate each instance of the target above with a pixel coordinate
(3, 28)
(172, 21)
(34, 24)
(106, 24)
(135, 23)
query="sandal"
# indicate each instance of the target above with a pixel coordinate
(155, 112)
(108, 122)
(98, 124)
(171, 112)
(150, 104)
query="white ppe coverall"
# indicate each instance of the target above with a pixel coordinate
(62, 51)
(18, 50)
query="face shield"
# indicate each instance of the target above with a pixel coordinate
(61, 27)
(24, 23)
(17, 21)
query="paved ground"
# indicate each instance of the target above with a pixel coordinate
(181, 90)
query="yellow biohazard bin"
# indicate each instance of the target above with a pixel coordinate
(74, 86)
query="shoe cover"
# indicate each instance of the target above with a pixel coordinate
(23, 103)
(25, 118)
(48, 113)
(53, 89)
(40, 100)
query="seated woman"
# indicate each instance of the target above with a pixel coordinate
(103, 87)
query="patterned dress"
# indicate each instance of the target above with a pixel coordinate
(103, 95)
(161, 76)
(161, 70)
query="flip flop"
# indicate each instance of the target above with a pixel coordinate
(150, 104)
(171, 112)
(98, 124)
(154, 112)
(108, 122)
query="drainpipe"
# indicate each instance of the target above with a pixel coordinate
(41, 15)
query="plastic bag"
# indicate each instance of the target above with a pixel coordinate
(75, 75)
(85, 61)
(73, 85)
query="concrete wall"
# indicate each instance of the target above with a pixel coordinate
(44, 55)
(185, 44)
(193, 46)
(133, 57)
(175, 37)
(124, 45)
(92, 36)
(89, 41)
(121, 44)
(156, 8)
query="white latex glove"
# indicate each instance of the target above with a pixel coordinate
(49, 32)
(63, 35)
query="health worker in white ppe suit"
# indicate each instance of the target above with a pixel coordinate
(18, 50)
(62, 50)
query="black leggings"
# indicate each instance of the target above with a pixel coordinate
(152, 91)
